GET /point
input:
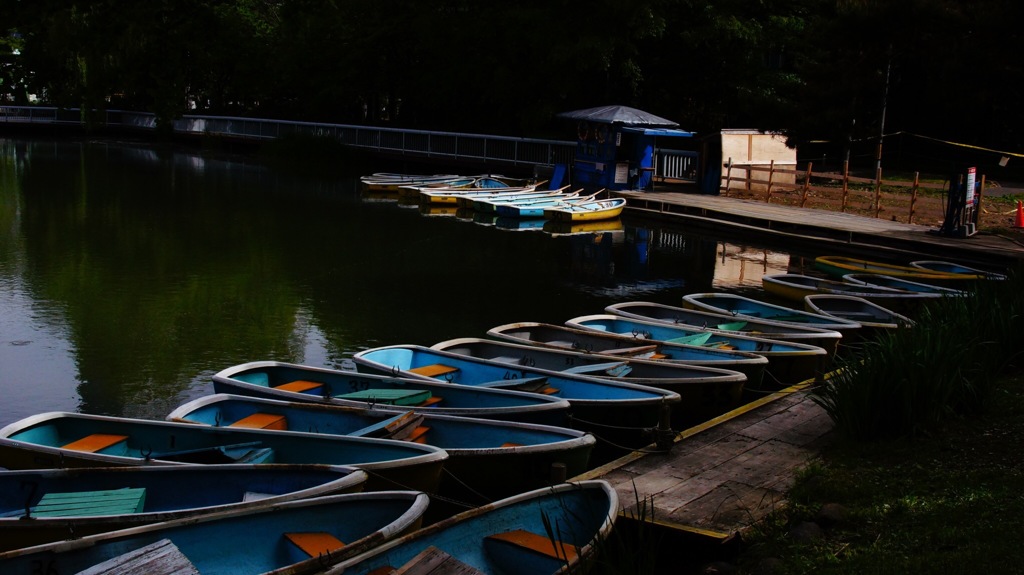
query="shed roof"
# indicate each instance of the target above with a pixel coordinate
(619, 115)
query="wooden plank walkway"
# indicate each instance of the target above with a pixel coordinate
(725, 475)
(822, 227)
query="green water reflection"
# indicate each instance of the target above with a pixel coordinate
(129, 273)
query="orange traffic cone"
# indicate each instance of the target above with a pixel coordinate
(1018, 222)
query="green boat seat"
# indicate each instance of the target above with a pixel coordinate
(695, 339)
(78, 503)
(404, 397)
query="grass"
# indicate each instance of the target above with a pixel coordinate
(949, 501)
(927, 465)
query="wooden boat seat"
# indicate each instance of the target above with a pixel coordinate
(433, 370)
(106, 502)
(263, 421)
(418, 435)
(314, 543)
(529, 384)
(434, 400)
(300, 386)
(431, 561)
(390, 426)
(534, 543)
(404, 397)
(657, 356)
(630, 350)
(97, 442)
(510, 444)
(162, 556)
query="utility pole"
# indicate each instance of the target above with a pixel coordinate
(885, 100)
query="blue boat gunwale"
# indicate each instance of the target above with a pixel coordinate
(467, 517)
(531, 402)
(417, 506)
(571, 438)
(651, 395)
(796, 348)
(427, 453)
(348, 477)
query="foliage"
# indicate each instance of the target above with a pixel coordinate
(947, 502)
(913, 380)
(816, 69)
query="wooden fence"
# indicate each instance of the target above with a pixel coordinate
(874, 197)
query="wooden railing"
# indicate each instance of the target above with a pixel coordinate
(875, 197)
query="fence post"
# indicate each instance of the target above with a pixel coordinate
(878, 191)
(846, 183)
(728, 176)
(771, 174)
(913, 197)
(807, 184)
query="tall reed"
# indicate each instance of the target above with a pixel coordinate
(905, 381)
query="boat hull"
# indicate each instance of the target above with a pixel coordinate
(170, 492)
(246, 541)
(487, 459)
(837, 266)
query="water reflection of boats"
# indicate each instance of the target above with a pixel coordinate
(565, 228)
(438, 209)
(373, 195)
(518, 224)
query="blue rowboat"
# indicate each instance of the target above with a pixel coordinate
(487, 459)
(595, 401)
(704, 319)
(788, 361)
(586, 211)
(292, 382)
(693, 383)
(485, 201)
(903, 283)
(746, 307)
(871, 316)
(534, 208)
(58, 439)
(43, 505)
(303, 536)
(554, 530)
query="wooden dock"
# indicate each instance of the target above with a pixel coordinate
(723, 476)
(841, 231)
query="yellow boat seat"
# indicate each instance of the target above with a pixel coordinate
(96, 442)
(536, 544)
(299, 386)
(315, 543)
(433, 370)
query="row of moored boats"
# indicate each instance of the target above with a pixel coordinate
(310, 469)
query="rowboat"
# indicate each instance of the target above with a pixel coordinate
(293, 537)
(292, 382)
(594, 401)
(487, 459)
(788, 361)
(486, 200)
(837, 266)
(689, 381)
(746, 307)
(380, 182)
(534, 208)
(955, 268)
(452, 195)
(519, 224)
(43, 505)
(796, 286)
(58, 439)
(903, 283)
(869, 315)
(596, 210)
(553, 530)
(649, 311)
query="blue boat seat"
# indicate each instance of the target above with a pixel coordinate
(79, 503)
(98, 442)
(433, 370)
(314, 543)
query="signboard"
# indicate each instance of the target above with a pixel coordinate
(622, 172)
(969, 191)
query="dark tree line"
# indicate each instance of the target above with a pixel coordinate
(817, 69)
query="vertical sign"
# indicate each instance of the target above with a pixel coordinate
(969, 192)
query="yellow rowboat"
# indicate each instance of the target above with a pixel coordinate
(839, 266)
(596, 210)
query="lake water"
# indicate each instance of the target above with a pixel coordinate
(130, 273)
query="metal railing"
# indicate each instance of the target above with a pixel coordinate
(421, 143)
